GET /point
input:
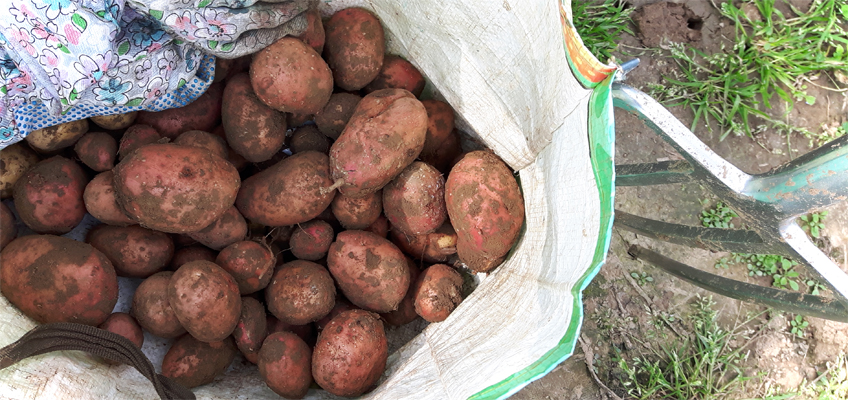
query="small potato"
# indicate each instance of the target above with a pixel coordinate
(341, 306)
(370, 270)
(8, 230)
(314, 35)
(137, 136)
(289, 76)
(309, 138)
(57, 137)
(228, 229)
(192, 253)
(357, 213)
(206, 300)
(192, 363)
(306, 332)
(251, 265)
(152, 309)
(285, 364)
(135, 252)
(354, 47)
(203, 114)
(294, 120)
(253, 129)
(414, 202)
(300, 292)
(251, 329)
(97, 150)
(56, 279)
(380, 227)
(351, 353)
(333, 118)
(49, 196)
(433, 247)
(14, 161)
(405, 312)
(311, 240)
(440, 118)
(115, 121)
(397, 73)
(124, 325)
(446, 155)
(100, 201)
(438, 291)
(204, 140)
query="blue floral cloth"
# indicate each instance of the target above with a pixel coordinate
(64, 60)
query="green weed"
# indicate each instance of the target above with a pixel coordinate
(814, 223)
(718, 217)
(642, 279)
(832, 384)
(799, 326)
(601, 25)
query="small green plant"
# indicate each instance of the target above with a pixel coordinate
(814, 223)
(831, 384)
(799, 326)
(815, 287)
(724, 262)
(718, 217)
(601, 25)
(642, 279)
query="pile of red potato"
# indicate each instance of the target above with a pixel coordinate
(248, 239)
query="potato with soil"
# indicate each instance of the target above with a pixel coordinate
(14, 161)
(203, 140)
(135, 252)
(97, 150)
(440, 122)
(251, 329)
(290, 76)
(251, 265)
(8, 230)
(385, 134)
(306, 332)
(370, 270)
(333, 118)
(290, 192)
(399, 74)
(446, 155)
(354, 47)
(137, 136)
(309, 138)
(357, 213)
(175, 189)
(115, 121)
(433, 247)
(152, 309)
(228, 229)
(125, 325)
(300, 292)
(486, 208)
(414, 202)
(311, 240)
(351, 353)
(285, 364)
(341, 306)
(253, 130)
(101, 203)
(380, 227)
(57, 137)
(192, 253)
(405, 312)
(203, 114)
(56, 279)
(206, 300)
(314, 34)
(438, 291)
(192, 363)
(49, 196)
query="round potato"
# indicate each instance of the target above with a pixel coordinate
(97, 150)
(253, 129)
(101, 203)
(135, 252)
(192, 253)
(57, 137)
(115, 121)
(8, 230)
(285, 364)
(311, 240)
(251, 265)
(124, 325)
(204, 140)
(357, 213)
(289, 76)
(331, 120)
(438, 291)
(14, 161)
(414, 202)
(191, 363)
(354, 47)
(56, 279)
(251, 329)
(48, 196)
(351, 353)
(397, 73)
(206, 300)
(228, 229)
(152, 309)
(137, 136)
(300, 292)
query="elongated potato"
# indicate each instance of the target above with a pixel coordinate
(289, 76)
(191, 362)
(351, 353)
(57, 137)
(354, 47)
(253, 129)
(14, 161)
(206, 300)
(414, 202)
(101, 203)
(135, 252)
(228, 229)
(405, 312)
(152, 309)
(49, 196)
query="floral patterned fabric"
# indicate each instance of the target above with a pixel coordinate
(63, 60)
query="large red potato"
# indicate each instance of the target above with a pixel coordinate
(191, 363)
(202, 114)
(354, 47)
(206, 300)
(300, 292)
(285, 364)
(49, 196)
(351, 353)
(290, 76)
(152, 309)
(414, 202)
(135, 252)
(253, 130)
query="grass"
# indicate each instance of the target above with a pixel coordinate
(600, 25)
(832, 384)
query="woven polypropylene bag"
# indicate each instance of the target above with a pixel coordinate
(521, 82)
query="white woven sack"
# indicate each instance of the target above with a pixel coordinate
(503, 67)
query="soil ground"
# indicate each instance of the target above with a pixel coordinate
(618, 309)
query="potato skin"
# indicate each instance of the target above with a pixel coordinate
(253, 130)
(433, 247)
(306, 332)
(311, 240)
(57, 137)
(438, 291)
(446, 155)
(370, 270)
(206, 300)
(251, 329)
(48, 196)
(203, 140)
(333, 118)
(290, 76)
(191, 363)
(192, 253)
(101, 203)
(152, 309)
(440, 123)
(97, 150)
(124, 325)
(380, 227)
(14, 161)
(8, 230)
(309, 138)
(175, 189)
(414, 202)
(314, 34)
(251, 265)
(357, 213)
(203, 114)
(351, 353)
(341, 306)
(114, 121)
(405, 312)
(56, 279)
(300, 292)
(486, 208)
(135, 252)
(385, 134)
(354, 47)
(224, 231)
(397, 73)
(137, 136)
(289, 192)
(285, 364)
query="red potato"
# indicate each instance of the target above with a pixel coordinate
(285, 364)
(440, 119)
(251, 265)
(192, 363)
(48, 196)
(399, 74)
(206, 300)
(182, 240)
(405, 312)
(309, 138)
(333, 118)
(305, 332)
(228, 229)
(125, 325)
(192, 253)
(234, 158)
(289, 76)
(438, 291)
(251, 329)
(314, 35)
(202, 114)
(222, 68)
(351, 354)
(294, 120)
(434, 247)
(354, 47)
(311, 240)
(446, 155)
(54, 138)
(341, 306)
(414, 202)
(152, 309)
(357, 213)
(137, 136)
(115, 121)
(380, 227)
(101, 203)
(254, 130)
(300, 292)
(173, 188)
(135, 252)
(97, 150)
(203, 140)
(370, 270)
(385, 134)
(486, 208)
(290, 192)
(8, 230)
(56, 279)
(16, 158)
